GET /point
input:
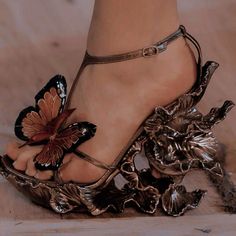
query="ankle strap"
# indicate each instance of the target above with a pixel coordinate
(145, 52)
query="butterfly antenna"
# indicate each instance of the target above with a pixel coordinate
(27, 143)
(21, 146)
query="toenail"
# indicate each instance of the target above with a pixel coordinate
(15, 164)
(36, 176)
(30, 173)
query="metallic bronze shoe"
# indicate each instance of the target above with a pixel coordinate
(176, 139)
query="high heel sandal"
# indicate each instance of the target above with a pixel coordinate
(175, 139)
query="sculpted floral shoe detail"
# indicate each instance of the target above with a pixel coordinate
(180, 137)
(176, 200)
(175, 139)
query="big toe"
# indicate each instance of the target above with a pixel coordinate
(12, 150)
(32, 171)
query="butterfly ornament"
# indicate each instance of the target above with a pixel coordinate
(44, 125)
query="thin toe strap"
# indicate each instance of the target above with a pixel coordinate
(86, 157)
(93, 161)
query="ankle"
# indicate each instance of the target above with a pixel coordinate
(177, 60)
(106, 42)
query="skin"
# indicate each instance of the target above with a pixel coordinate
(117, 97)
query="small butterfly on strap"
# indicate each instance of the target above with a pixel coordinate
(44, 124)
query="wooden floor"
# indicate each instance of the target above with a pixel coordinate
(41, 38)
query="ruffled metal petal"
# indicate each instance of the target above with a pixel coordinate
(201, 145)
(176, 200)
(183, 141)
(216, 115)
(147, 200)
(65, 199)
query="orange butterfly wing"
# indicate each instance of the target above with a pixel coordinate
(43, 124)
(49, 104)
(53, 152)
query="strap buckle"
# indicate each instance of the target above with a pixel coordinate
(150, 51)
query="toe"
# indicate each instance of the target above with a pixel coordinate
(32, 171)
(67, 159)
(12, 150)
(26, 154)
(30, 168)
(21, 162)
(44, 175)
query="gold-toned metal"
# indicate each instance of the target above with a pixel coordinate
(150, 51)
(175, 139)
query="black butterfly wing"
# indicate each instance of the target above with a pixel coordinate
(49, 103)
(52, 154)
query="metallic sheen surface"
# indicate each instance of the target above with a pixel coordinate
(175, 139)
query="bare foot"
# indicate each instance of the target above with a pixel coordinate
(117, 97)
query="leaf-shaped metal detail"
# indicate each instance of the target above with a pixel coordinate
(176, 200)
(180, 137)
(65, 199)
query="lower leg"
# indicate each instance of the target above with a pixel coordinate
(117, 97)
(120, 26)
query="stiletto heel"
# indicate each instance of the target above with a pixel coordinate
(176, 139)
